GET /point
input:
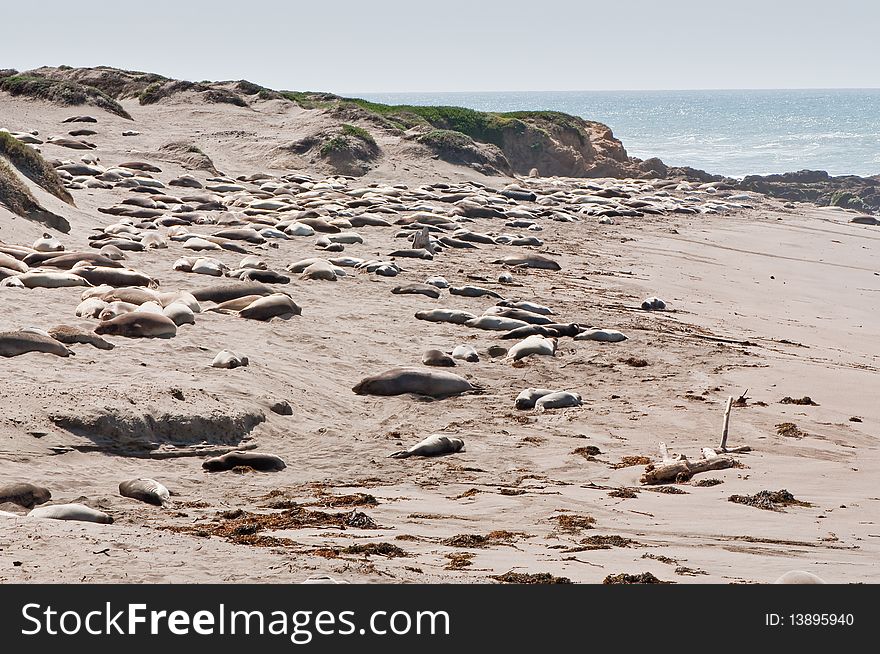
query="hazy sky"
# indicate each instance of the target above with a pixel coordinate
(460, 45)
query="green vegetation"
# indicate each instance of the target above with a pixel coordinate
(848, 200)
(33, 166)
(60, 92)
(357, 132)
(16, 197)
(348, 141)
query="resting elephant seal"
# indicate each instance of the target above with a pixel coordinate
(435, 445)
(414, 253)
(48, 243)
(73, 511)
(179, 313)
(397, 381)
(603, 335)
(321, 270)
(518, 314)
(533, 345)
(224, 292)
(116, 309)
(145, 490)
(439, 282)
(558, 400)
(256, 460)
(437, 358)
(236, 305)
(70, 335)
(799, 577)
(527, 398)
(24, 494)
(472, 291)
(552, 330)
(116, 277)
(466, 353)
(132, 295)
(445, 315)
(529, 261)
(276, 305)
(495, 323)
(228, 359)
(43, 279)
(417, 289)
(139, 324)
(527, 306)
(13, 344)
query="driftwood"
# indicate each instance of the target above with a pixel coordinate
(677, 467)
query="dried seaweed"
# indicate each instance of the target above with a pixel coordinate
(644, 578)
(536, 578)
(768, 500)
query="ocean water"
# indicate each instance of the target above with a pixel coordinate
(732, 133)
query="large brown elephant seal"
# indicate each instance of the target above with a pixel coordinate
(69, 335)
(225, 292)
(436, 445)
(529, 261)
(417, 289)
(73, 511)
(22, 341)
(256, 460)
(145, 490)
(139, 324)
(437, 358)
(445, 315)
(24, 494)
(398, 381)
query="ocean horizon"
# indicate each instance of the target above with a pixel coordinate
(735, 132)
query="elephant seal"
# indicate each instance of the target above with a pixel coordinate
(69, 260)
(138, 324)
(527, 398)
(13, 344)
(276, 305)
(256, 460)
(264, 276)
(527, 306)
(439, 282)
(116, 309)
(552, 330)
(70, 335)
(11, 263)
(465, 353)
(417, 289)
(321, 270)
(505, 278)
(533, 345)
(116, 277)
(112, 252)
(445, 315)
(145, 490)
(131, 295)
(472, 291)
(653, 304)
(228, 359)
(398, 381)
(799, 577)
(437, 358)
(435, 445)
(73, 511)
(235, 305)
(603, 335)
(518, 314)
(558, 400)
(179, 313)
(224, 292)
(44, 279)
(24, 494)
(90, 308)
(495, 323)
(47, 243)
(529, 261)
(414, 253)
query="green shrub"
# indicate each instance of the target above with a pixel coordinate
(33, 166)
(60, 92)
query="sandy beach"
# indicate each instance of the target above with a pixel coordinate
(769, 301)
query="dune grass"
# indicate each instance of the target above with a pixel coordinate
(33, 166)
(60, 92)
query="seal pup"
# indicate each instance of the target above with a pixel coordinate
(465, 353)
(398, 381)
(229, 359)
(557, 400)
(321, 270)
(179, 313)
(145, 490)
(72, 511)
(24, 494)
(439, 282)
(257, 460)
(138, 324)
(603, 335)
(436, 445)
(437, 358)
(47, 243)
(13, 344)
